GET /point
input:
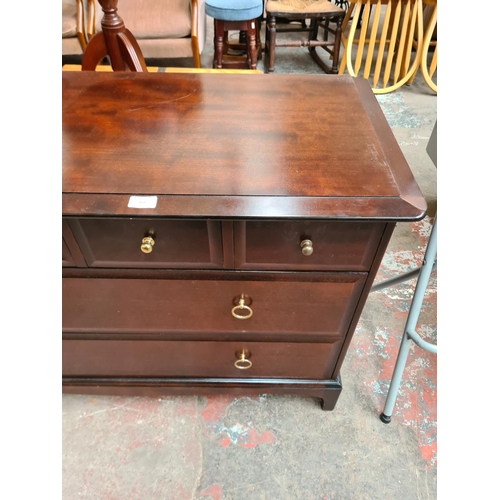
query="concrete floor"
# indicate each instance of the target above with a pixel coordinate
(284, 447)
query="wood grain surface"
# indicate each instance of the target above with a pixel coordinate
(217, 136)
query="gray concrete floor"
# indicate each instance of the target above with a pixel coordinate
(283, 447)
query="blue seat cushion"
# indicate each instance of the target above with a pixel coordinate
(233, 10)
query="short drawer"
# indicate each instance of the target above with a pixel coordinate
(306, 245)
(320, 304)
(149, 243)
(71, 255)
(149, 358)
(67, 259)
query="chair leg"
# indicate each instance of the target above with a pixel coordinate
(313, 34)
(251, 44)
(336, 47)
(325, 29)
(259, 42)
(218, 43)
(334, 54)
(270, 43)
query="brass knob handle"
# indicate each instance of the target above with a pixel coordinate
(243, 363)
(241, 307)
(307, 247)
(147, 244)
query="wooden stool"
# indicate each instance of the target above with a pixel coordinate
(235, 15)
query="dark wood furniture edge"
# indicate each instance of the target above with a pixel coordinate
(386, 237)
(213, 274)
(402, 174)
(248, 207)
(328, 391)
(262, 337)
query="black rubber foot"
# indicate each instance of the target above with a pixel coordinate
(385, 418)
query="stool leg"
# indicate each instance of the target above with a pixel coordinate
(225, 46)
(218, 43)
(270, 43)
(251, 45)
(411, 323)
(259, 43)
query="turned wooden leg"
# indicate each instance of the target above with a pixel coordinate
(270, 43)
(252, 45)
(336, 47)
(218, 43)
(259, 43)
(225, 43)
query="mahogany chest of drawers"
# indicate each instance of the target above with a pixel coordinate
(221, 232)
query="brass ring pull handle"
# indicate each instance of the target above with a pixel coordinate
(241, 307)
(243, 363)
(147, 244)
(307, 247)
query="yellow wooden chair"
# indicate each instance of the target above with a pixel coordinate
(429, 68)
(378, 38)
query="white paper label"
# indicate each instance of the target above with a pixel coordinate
(142, 202)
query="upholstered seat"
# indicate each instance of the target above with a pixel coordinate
(73, 39)
(234, 10)
(163, 28)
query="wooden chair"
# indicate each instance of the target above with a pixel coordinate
(430, 40)
(114, 41)
(300, 10)
(428, 69)
(164, 29)
(73, 32)
(385, 42)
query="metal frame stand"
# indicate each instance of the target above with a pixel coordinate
(410, 333)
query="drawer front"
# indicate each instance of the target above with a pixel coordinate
(287, 245)
(67, 259)
(323, 305)
(172, 243)
(71, 255)
(157, 358)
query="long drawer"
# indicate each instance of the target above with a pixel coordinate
(156, 358)
(234, 304)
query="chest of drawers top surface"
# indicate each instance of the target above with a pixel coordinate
(235, 146)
